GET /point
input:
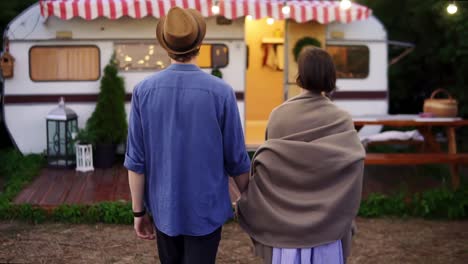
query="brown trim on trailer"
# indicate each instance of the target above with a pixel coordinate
(360, 95)
(240, 96)
(69, 98)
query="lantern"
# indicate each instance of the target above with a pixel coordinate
(7, 63)
(62, 126)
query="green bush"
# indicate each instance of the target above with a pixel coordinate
(378, 205)
(108, 123)
(440, 203)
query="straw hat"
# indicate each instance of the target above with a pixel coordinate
(181, 31)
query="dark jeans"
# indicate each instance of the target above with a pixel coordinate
(188, 249)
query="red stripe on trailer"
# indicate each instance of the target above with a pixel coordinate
(269, 9)
(368, 12)
(137, 9)
(185, 3)
(245, 6)
(337, 13)
(75, 8)
(359, 13)
(100, 8)
(279, 8)
(303, 13)
(348, 16)
(293, 12)
(198, 6)
(63, 10)
(50, 8)
(314, 13)
(161, 9)
(88, 9)
(257, 11)
(209, 5)
(149, 8)
(124, 8)
(41, 6)
(233, 9)
(112, 9)
(325, 15)
(222, 9)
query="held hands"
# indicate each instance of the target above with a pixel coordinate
(144, 227)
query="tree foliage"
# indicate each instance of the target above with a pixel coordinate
(108, 123)
(440, 57)
(9, 10)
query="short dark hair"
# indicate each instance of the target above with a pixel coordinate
(184, 57)
(316, 70)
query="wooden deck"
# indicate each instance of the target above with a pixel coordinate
(54, 187)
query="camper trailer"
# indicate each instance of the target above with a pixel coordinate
(60, 48)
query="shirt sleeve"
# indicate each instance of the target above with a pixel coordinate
(135, 152)
(236, 159)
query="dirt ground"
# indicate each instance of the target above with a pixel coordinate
(377, 241)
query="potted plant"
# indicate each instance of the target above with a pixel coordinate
(107, 126)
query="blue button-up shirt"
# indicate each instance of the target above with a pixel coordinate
(185, 136)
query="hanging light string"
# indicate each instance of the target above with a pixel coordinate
(452, 8)
(345, 4)
(286, 9)
(215, 8)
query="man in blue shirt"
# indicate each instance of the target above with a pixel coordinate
(184, 139)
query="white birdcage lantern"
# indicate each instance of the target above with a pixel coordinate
(84, 157)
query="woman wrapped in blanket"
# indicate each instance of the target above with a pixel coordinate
(306, 180)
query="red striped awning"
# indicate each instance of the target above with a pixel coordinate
(299, 10)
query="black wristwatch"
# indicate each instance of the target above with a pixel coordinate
(139, 214)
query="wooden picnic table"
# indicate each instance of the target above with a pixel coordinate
(432, 151)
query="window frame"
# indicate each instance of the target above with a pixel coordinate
(65, 46)
(211, 55)
(130, 42)
(353, 45)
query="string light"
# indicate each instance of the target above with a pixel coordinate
(452, 8)
(286, 9)
(345, 4)
(270, 21)
(215, 8)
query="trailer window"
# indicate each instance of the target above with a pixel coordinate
(141, 56)
(213, 55)
(64, 63)
(352, 62)
(150, 56)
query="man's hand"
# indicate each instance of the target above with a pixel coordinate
(144, 227)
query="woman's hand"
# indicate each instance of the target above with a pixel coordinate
(144, 227)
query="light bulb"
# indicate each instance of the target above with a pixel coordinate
(215, 9)
(248, 17)
(345, 4)
(452, 8)
(286, 10)
(270, 21)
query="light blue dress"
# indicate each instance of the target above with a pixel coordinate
(331, 253)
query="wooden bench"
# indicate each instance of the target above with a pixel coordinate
(420, 159)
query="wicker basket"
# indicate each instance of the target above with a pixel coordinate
(441, 107)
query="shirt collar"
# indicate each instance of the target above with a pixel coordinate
(183, 67)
